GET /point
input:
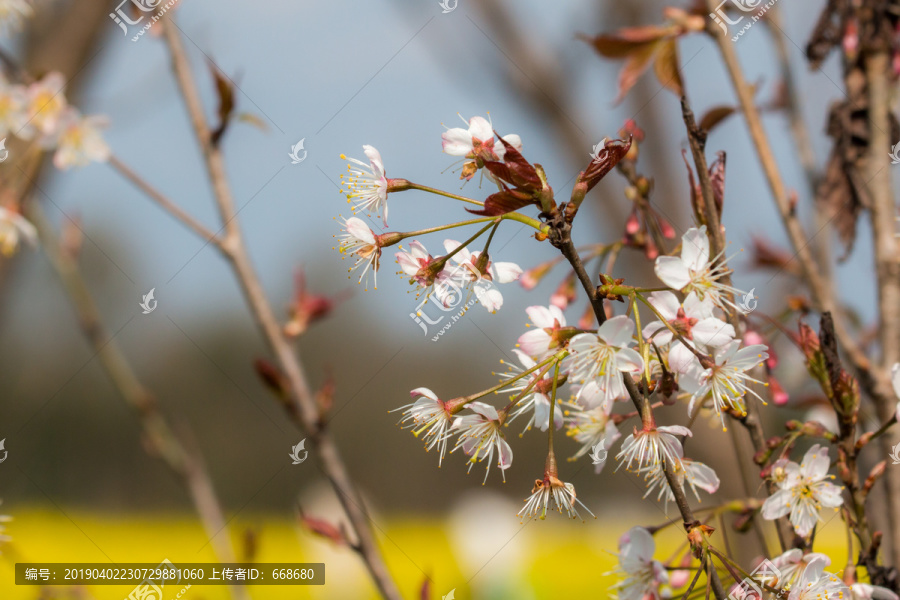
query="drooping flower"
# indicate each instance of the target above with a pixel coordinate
(791, 564)
(866, 591)
(695, 322)
(13, 229)
(804, 491)
(428, 273)
(480, 437)
(80, 141)
(816, 584)
(590, 427)
(543, 339)
(551, 493)
(429, 417)
(652, 447)
(359, 240)
(537, 400)
(643, 574)
(45, 104)
(481, 274)
(477, 141)
(695, 271)
(727, 381)
(694, 473)
(367, 186)
(604, 356)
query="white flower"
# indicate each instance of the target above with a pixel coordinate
(429, 417)
(726, 382)
(591, 427)
(651, 448)
(359, 239)
(694, 271)
(470, 271)
(643, 575)
(694, 473)
(550, 493)
(865, 591)
(537, 399)
(80, 141)
(13, 13)
(367, 187)
(693, 319)
(477, 140)
(44, 106)
(602, 357)
(791, 564)
(480, 437)
(419, 265)
(13, 229)
(541, 341)
(804, 491)
(816, 584)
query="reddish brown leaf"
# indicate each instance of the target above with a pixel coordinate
(514, 169)
(635, 66)
(225, 92)
(607, 158)
(716, 115)
(504, 202)
(667, 67)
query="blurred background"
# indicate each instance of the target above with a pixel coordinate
(338, 75)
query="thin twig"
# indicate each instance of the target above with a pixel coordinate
(235, 251)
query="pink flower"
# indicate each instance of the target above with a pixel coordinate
(602, 357)
(480, 437)
(643, 574)
(542, 340)
(477, 141)
(480, 274)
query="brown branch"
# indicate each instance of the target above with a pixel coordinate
(165, 444)
(234, 249)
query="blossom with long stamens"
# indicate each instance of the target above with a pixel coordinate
(551, 493)
(804, 491)
(14, 228)
(817, 584)
(643, 574)
(80, 142)
(472, 270)
(359, 240)
(537, 400)
(429, 417)
(480, 437)
(652, 447)
(477, 141)
(694, 473)
(725, 381)
(790, 565)
(590, 427)
(543, 339)
(367, 186)
(695, 271)
(602, 357)
(693, 320)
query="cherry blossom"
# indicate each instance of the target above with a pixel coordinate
(480, 437)
(590, 427)
(477, 141)
(643, 574)
(602, 357)
(45, 105)
(367, 186)
(694, 473)
(543, 339)
(429, 417)
(804, 491)
(550, 493)
(816, 584)
(652, 447)
(359, 240)
(695, 271)
(480, 274)
(80, 142)
(537, 400)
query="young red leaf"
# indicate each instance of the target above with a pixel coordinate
(504, 202)
(323, 529)
(667, 67)
(607, 158)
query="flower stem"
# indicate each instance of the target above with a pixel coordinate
(431, 190)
